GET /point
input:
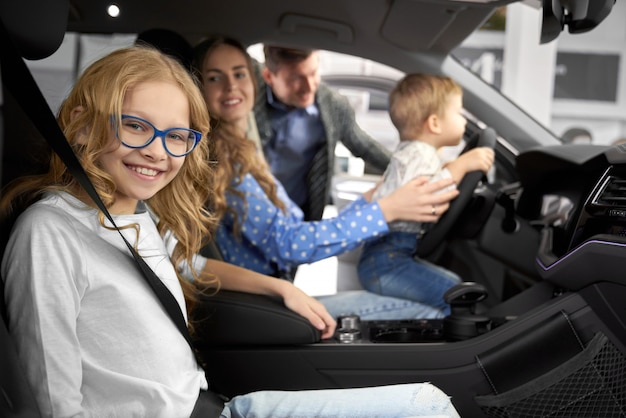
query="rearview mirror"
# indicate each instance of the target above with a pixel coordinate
(579, 16)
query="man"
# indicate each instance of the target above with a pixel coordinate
(299, 121)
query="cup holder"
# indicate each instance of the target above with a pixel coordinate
(409, 331)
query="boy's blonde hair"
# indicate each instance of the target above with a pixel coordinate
(416, 97)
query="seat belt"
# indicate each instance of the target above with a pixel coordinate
(32, 102)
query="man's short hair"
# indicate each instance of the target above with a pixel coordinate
(275, 56)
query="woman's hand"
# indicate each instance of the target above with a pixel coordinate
(369, 195)
(418, 200)
(310, 308)
(237, 278)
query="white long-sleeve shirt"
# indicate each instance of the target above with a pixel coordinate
(91, 334)
(411, 159)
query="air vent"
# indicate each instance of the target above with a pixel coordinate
(613, 193)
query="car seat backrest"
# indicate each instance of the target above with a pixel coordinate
(36, 28)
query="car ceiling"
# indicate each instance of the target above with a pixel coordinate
(352, 26)
(404, 34)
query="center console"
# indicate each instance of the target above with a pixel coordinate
(464, 322)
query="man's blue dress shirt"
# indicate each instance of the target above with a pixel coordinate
(297, 135)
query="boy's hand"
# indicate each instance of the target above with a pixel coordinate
(477, 159)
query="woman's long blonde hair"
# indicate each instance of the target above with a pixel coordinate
(99, 93)
(234, 154)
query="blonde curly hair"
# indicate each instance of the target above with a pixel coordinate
(99, 94)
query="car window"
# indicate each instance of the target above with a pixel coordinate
(56, 74)
(366, 84)
(584, 99)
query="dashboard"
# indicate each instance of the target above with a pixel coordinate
(576, 194)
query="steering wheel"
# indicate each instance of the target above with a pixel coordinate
(435, 236)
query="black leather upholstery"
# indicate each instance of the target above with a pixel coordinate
(238, 318)
(235, 318)
(36, 28)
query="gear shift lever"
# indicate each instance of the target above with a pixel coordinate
(463, 322)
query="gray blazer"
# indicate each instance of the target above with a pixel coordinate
(340, 125)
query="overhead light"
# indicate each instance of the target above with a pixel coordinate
(113, 10)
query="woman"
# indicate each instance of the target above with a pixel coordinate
(260, 228)
(93, 339)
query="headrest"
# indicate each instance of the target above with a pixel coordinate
(37, 27)
(169, 42)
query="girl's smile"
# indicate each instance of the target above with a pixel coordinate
(140, 173)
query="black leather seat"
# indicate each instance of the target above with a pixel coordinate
(36, 29)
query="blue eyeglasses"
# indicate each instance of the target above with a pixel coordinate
(135, 132)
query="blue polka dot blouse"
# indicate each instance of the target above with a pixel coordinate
(273, 241)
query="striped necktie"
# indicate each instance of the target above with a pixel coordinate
(317, 180)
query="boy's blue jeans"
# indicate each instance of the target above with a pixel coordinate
(405, 400)
(387, 267)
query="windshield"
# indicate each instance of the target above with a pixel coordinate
(576, 79)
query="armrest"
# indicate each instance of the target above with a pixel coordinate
(236, 318)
